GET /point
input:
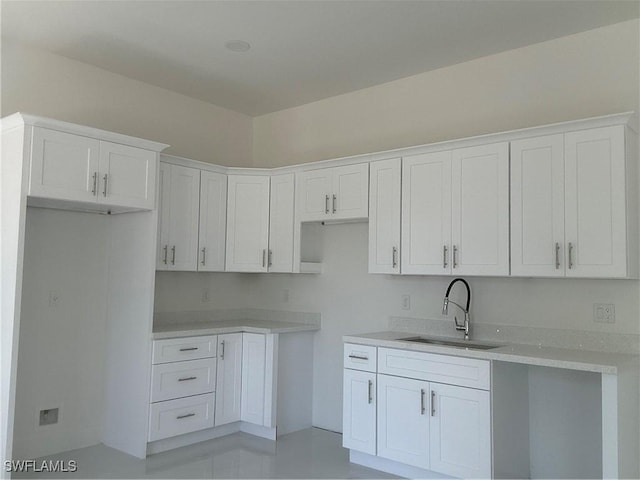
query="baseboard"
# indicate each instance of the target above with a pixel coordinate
(191, 438)
(391, 466)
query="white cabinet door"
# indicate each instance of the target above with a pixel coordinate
(359, 411)
(537, 206)
(403, 420)
(253, 378)
(426, 214)
(213, 221)
(164, 201)
(480, 210)
(127, 176)
(460, 431)
(181, 199)
(595, 203)
(384, 216)
(281, 223)
(64, 166)
(229, 378)
(350, 198)
(247, 223)
(314, 194)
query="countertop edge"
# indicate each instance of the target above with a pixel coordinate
(233, 329)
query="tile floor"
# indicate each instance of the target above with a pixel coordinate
(311, 453)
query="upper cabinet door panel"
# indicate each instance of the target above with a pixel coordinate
(314, 194)
(247, 223)
(384, 216)
(281, 223)
(213, 221)
(426, 214)
(350, 198)
(127, 176)
(164, 199)
(537, 206)
(596, 203)
(183, 218)
(480, 210)
(64, 166)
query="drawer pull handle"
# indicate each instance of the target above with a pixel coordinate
(180, 417)
(433, 403)
(95, 183)
(445, 255)
(222, 353)
(326, 204)
(358, 357)
(557, 256)
(186, 378)
(165, 254)
(422, 407)
(188, 349)
(570, 255)
(370, 392)
(335, 200)
(394, 257)
(104, 192)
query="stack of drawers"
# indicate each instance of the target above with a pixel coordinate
(183, 384)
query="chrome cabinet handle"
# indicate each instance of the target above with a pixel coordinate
(222, 353)
(94, 190)
(104, 192)
(186, 379)
(180, 417)
(264, 258)
(270, 258)
(455, 256)
(173, 255)
(394, 256)
(557, 255)
(370, 392)
(433, 403)
(326, 204)
(165, 248)
(335, 201)
(422, 407)
(358, 357)
(204, 255)
(570, 260)
(187, 349)
(445, 251)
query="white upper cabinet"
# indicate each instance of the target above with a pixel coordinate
(213, 222)
(75, 168)
(247, 223)
(537, 206)
(384, 216)
(595, 203)
(426, 214)
(178, 222)
(338, 193)
(280, 256)
(480, 210)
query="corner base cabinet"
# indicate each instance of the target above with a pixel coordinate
(418, 409)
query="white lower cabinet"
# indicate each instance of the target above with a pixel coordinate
(229, 379)
(179, 416)
(253, 378)
(420, 422)
(359, 411)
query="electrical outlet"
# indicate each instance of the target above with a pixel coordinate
(604, 313)
(406, 302)
(49, 416)
(206, 295)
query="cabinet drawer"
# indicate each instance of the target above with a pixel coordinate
(184, 415)
(360, 357)
(465, 372)
(189, 348)
(180, 379)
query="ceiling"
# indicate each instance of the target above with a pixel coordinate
(301, 50)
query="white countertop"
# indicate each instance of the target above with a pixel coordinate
(572, 359)
(192, 329)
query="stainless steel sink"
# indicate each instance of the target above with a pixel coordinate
(451, 343)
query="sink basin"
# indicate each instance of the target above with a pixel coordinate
(451, 343)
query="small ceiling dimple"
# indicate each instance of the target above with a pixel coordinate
(303, 50)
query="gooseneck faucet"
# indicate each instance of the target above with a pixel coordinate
(445, 307)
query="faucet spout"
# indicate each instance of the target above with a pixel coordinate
(445, 307)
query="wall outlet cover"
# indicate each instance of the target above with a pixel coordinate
(604, 313)
(49, 416)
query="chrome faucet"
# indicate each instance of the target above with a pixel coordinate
(445, 307)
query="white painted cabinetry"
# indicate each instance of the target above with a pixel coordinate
(569, 205)
(213, 221)
(281, 217)
(384, 216)
(229, 378)
(76, 168)
(253, 378)
(178, 219)
(337, 193)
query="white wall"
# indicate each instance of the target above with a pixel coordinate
(45, 84)
(62, 349)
